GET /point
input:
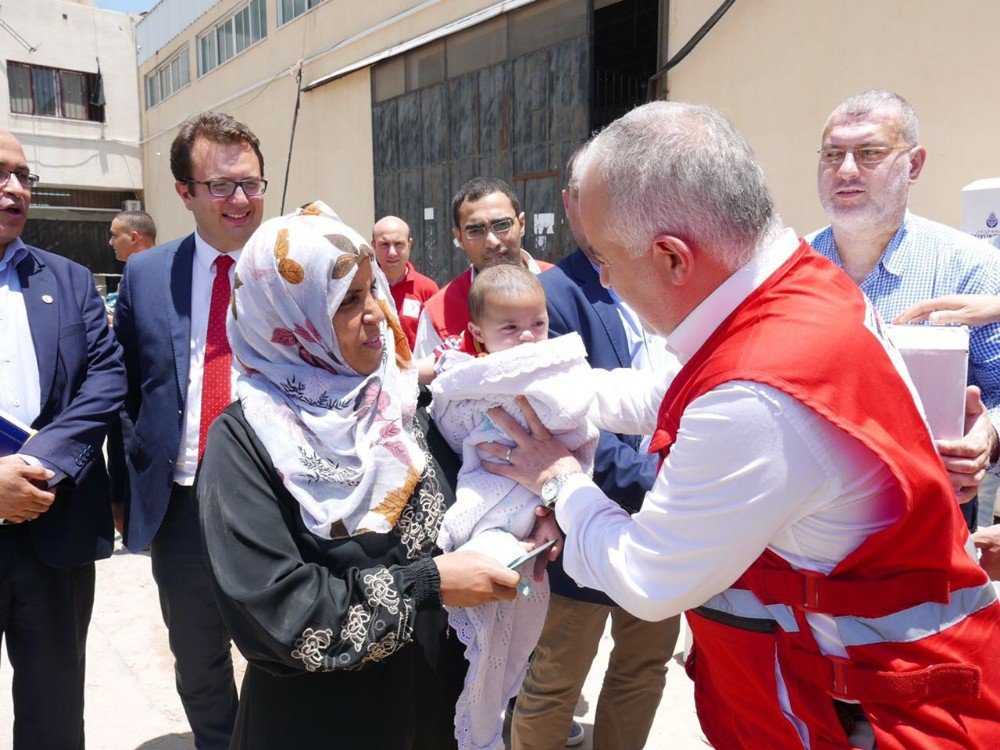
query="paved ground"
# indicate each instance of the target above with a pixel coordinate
(132, 705)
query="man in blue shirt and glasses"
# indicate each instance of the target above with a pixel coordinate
(870, 156)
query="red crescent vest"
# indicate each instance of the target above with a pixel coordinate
(448, 310)
(919, 619)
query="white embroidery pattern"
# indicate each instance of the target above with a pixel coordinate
(380, 588)
(356, 628)
(311, 647)
(383, 648)
(420, 521)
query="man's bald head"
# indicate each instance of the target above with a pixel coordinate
(15, 192)
(392, 241)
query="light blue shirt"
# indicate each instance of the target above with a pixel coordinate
(647, 351)
(925, 259)
(20, 393)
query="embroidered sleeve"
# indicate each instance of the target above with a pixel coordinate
(287, 614)
(371, 630)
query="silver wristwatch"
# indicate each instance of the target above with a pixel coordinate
(550, 490)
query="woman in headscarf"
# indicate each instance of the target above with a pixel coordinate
(321, 502)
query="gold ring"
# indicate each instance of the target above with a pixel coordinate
(507, 457)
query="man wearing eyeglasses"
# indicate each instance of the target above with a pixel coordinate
(489, 225)
(870, 156)
(171, 321)
(61, 373)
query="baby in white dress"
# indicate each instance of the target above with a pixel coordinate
(506, 353)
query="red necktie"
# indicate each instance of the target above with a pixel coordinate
(216, 384)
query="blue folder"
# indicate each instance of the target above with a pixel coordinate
(13, 434)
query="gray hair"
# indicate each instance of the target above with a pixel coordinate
(572, 172)
(684, 170)
(869, 102)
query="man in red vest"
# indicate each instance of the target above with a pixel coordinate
(393, 241)
(801, 514)
(489, 225)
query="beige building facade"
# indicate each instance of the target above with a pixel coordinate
(402, 101)
(778, 67)
(68, 93)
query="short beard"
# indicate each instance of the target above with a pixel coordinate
(881, 214)
(506, 258)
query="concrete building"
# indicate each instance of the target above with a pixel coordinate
(403, 100)
(69, 93)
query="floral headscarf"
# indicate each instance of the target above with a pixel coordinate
(342, 442)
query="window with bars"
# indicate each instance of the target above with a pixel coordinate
(289, 9)
(245, 27)
(52, 92)
(168, 78)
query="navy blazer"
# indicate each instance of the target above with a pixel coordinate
(576, 301)
(153, 325)
(82, 385)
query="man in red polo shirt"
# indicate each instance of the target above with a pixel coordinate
(393, 241)
(489, 226)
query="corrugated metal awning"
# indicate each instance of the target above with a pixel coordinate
(418, 41)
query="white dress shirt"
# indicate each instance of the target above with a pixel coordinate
(202, 278)
(751, 469)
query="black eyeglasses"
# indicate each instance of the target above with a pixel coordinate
(26, 179)
(500, 228)
(223, 188)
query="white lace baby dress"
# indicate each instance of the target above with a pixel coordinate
(500, 636)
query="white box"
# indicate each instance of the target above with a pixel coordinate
(981, 209)
(937, 358)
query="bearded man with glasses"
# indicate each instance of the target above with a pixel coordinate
(171, 322)
(489, 225)
(870, 155)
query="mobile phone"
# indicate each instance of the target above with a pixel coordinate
(515, 564)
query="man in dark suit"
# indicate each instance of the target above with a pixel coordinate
(624, 470)
(61, 372)
(170, 319)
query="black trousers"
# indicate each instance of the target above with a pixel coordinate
(44, 616)
(200, 643)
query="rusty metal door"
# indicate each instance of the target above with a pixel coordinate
(519, 120)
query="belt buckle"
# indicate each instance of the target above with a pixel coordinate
(810, 598)
(840, 666)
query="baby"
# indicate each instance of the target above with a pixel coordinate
(504, 354)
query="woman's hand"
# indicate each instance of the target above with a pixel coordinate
(469, 579)
(537, 455)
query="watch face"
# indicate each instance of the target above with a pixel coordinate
(549, 490)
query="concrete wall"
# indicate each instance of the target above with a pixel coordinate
(332, 158)
(777, 68)
(73, 36)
